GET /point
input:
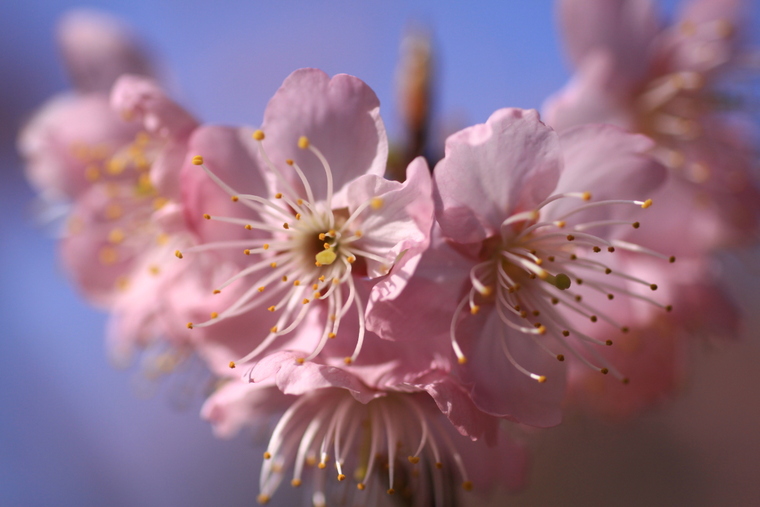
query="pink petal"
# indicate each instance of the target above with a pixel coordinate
(97, 48)
(626, 28)
(65, 125)
(492, 170)
(339, 116)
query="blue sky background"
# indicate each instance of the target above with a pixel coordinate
(73, 430)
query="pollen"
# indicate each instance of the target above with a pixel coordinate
(541, 379)
(646, 203)
(273, 329)
(207, 216)
(295, 483)
(217, 291)
(586, 196)
(303, 142)
(189, 325)
(462, 360)
(376, 203)
(261, 289)
(232, 365)
(331, 335)
(300, 360)
(247, 252)
(289, 161)
(234, 198)
(263, 499)
(197, 160)
(413, 459)
(248, 227)
(360, 486)
(258, 135)
(272, 308)
(214, 315)
(341, 477)
(347, 360)
(273, 264)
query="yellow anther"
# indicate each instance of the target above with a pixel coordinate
(586, 196)
(341, 477)
(272, 308)
(273, 264)
(154, 270)
(351, 259)
(231, 365)
(115, 166)
(303, 142)
(474, 309)
(315, 286)
(285, 226)
(108, 255)
(116, 236)
(322, 236)
(541, 379)
(336, 281)
(298, 216)
(358, 234)
(376, 203)
(261, 289)
(347, 360)
(285, 278)
(296, 283)
(189, 325)
(278, 195)
(462, 360)
(322, 465)
(234, 198)
(413, 459)
(300, 360)
(197, 160)
(92, 173)
(646, 203)
(331, 233)
(560, 223)
(327, 257)
(295, 483)
(273, 329)
(318, 264)
(265, 246)
(299, 201)
(263, 499)
(207, 216)
(113, 211)
(258, 135)
(487, 290)
(360, 486)
(217, 291)
(326, 245)
(331, 335)
(289, 162)
(247, 252)
(214, 315)
(305, 301)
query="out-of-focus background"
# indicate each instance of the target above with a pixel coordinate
(75, 431)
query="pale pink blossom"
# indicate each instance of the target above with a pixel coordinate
(368, 446)
(669, 82)
(69, 143)
(529, 222)
(328, 222)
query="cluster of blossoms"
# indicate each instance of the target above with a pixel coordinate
(396, 329)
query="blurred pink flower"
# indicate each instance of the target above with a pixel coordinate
(71, 142)
(668, 82)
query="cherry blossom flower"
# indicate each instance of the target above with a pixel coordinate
(328, 221)
(378, 445)
(529, 224)
(670, 83)
(72, 141)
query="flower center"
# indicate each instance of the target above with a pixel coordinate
(310, 255)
